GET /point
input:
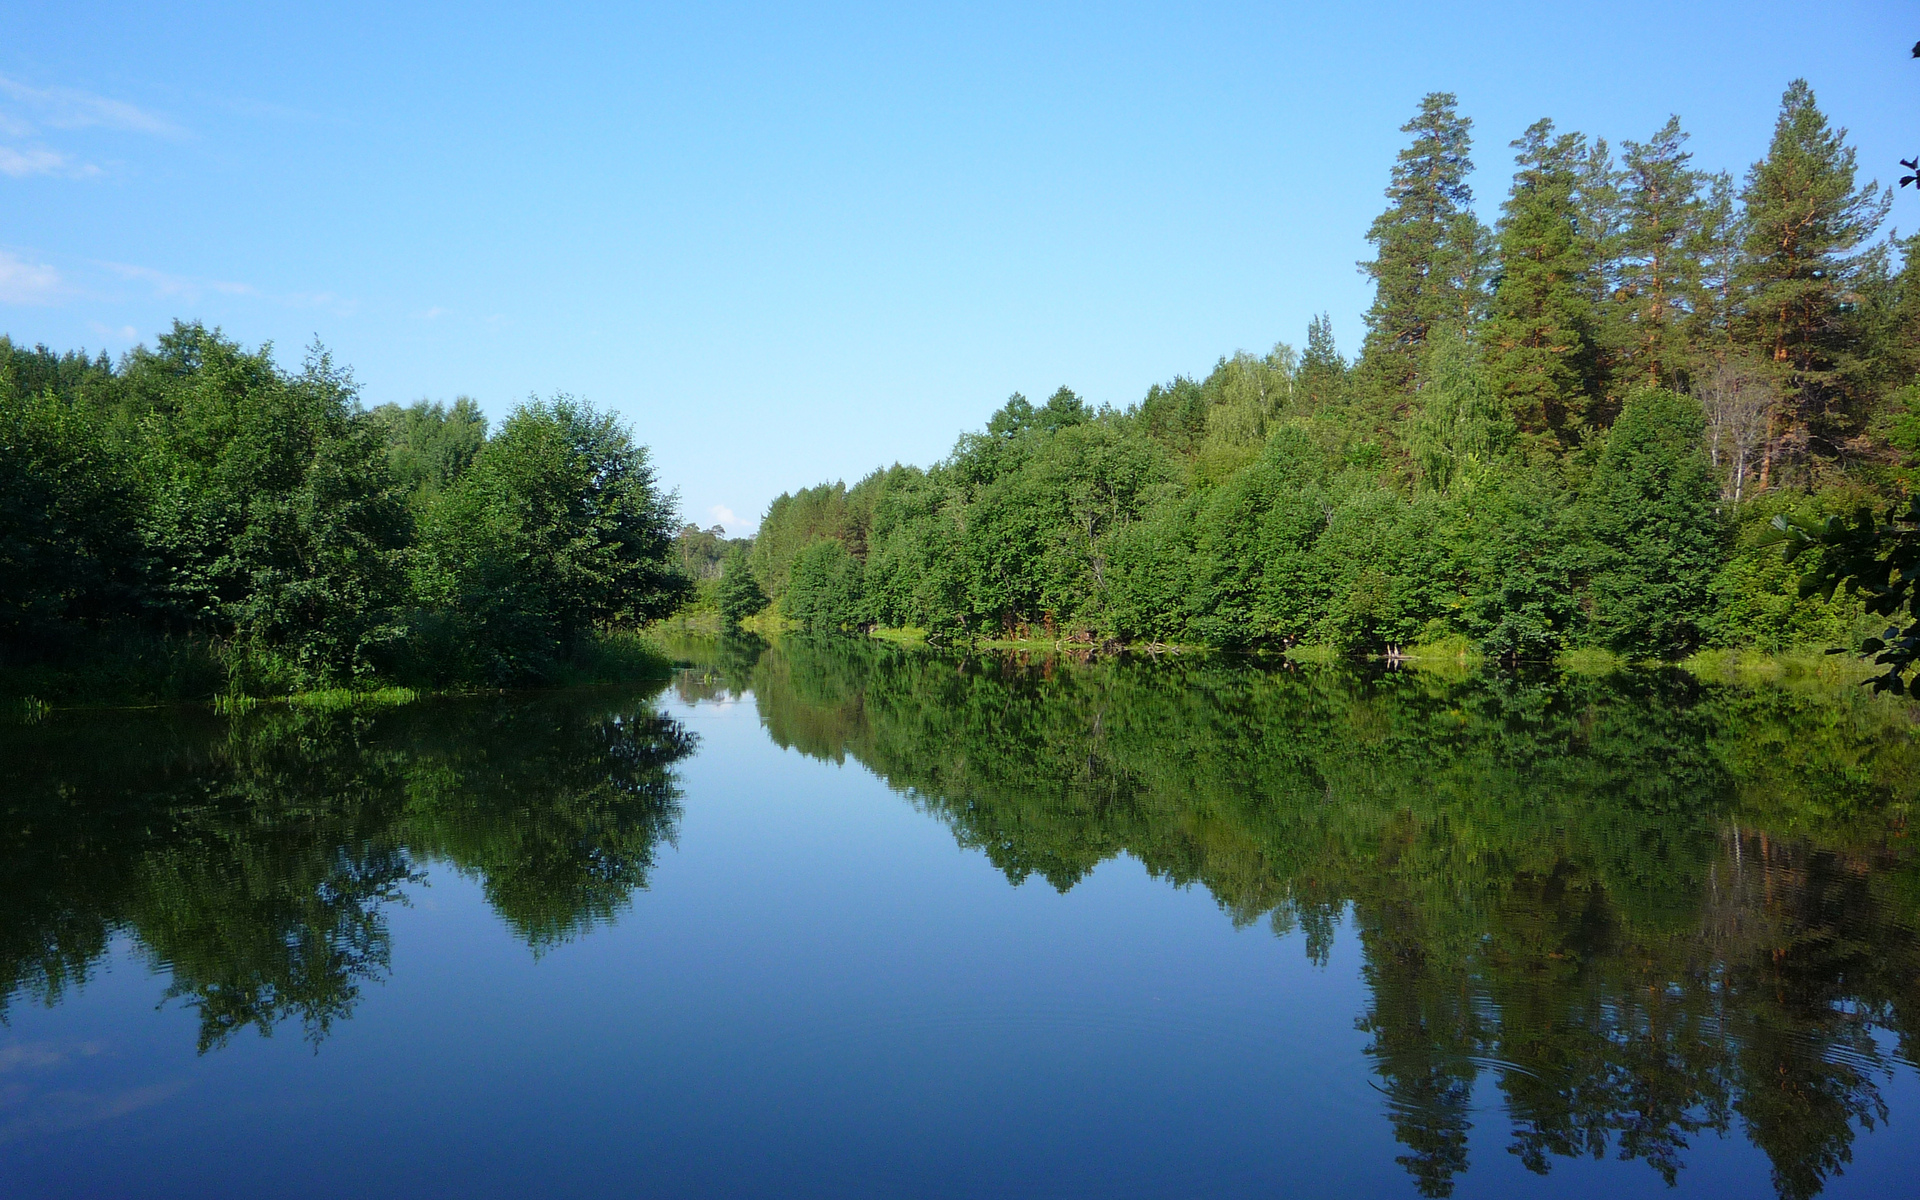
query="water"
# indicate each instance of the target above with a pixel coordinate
(836, 920)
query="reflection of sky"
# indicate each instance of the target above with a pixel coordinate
(819, 994)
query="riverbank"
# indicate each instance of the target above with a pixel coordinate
(138, 669)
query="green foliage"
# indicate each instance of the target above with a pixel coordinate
(826, 593)
(1655, 538)
(1429, 247)
(1663, 247)
(1805, 223)
(196, 493)
(1876, 559)
(431, 445)
(1539, 327)
(739, 592)
(557, 527)
(67, 551)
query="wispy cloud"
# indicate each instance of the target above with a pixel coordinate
(23, 282)
(339, 306)
(431, 314)
(186, 287)
(126, 333)
(27, 112)
(724, 515)
(38, 160)
(71, 108)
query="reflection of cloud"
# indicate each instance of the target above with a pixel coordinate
(31, 1110)
(724, 515)
(22, 282)
(71, 108)
(59, 1112)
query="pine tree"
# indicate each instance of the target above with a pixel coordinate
(1805, 221)
(1718, 247)
(1429, 246)
(1323, 373)
(1600, 217)
(1537, 336)
(1660, 260)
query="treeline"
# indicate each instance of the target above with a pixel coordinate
(1565, 430)
(1675, 908)
(204, 519)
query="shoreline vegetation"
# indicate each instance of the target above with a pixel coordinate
(1566, 440)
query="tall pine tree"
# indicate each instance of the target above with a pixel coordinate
(1660, 271)
(1718, 247)
(1429, 246)
(1806, 220)
(1538, 333)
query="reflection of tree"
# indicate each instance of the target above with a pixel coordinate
(1560, 882)
(254, 859)
(720, 668)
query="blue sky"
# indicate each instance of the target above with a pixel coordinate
(792, 244)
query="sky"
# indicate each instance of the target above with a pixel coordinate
(792, 244)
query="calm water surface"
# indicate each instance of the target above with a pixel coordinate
(834, 920)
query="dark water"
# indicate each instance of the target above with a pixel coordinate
(831, 919)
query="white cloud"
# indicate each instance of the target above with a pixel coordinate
(23, 282)
(36, 160)
(432, 314)
(71, 108)
(724, 515)
(184, 286)
(126, 333)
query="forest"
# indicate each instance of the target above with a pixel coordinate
(1568, 430)
(196, 520)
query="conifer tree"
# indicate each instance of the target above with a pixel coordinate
(1429, 246)
(1660, 275)
(1323, 373)
(1718, 247)
(1538, 333)
(1600, 218)
(1805, 220)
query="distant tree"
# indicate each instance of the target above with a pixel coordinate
(1322, 377)
(431, 445)
(1428, 245)
(825, 594)
(739, 592)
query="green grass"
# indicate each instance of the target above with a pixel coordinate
(1590, 662)
(1789, 667)
(907, 636)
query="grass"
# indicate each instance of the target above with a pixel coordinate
(1788, 667)
(1590, 662)
(906, 636)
